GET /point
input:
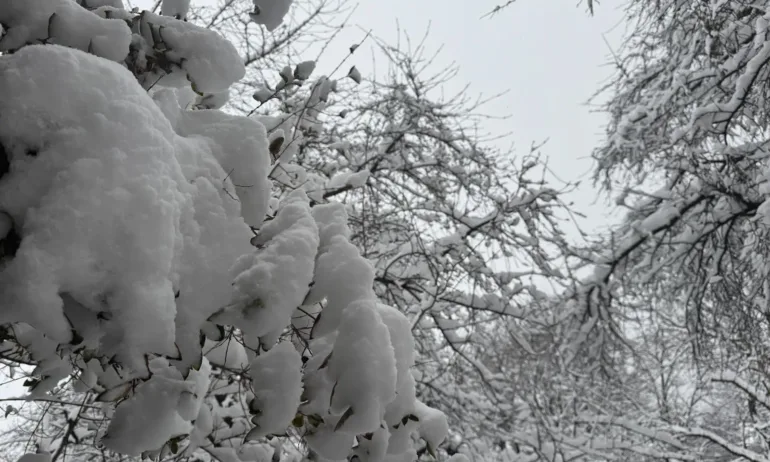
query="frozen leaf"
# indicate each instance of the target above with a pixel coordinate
(115, 394)
(270, 13)
(263, 94)
(303, 70)
(354, 74)
(344, 418)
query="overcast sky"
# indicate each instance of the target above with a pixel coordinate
(550, 55)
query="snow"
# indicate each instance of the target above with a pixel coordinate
(270, 13)
(93, 4)
(62, 22)
(108, 190)
(175, 8)
(198, 55)
(146, 256)
(332, 220)
(433, 427)
(255, 452)
(363, 367)
(277, 384)
(342, 277)
(408, 456)
(263, 94)
(6, 225)
(330, 445)
(373, 447)
(44, 457)
(227, 353)
(352, 179)
(270, 283)
(240, 146)
(160, 408)
(212, 100)
(458, 458)
(303, 70)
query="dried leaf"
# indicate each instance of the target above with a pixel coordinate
(114, 394)
(345, 416)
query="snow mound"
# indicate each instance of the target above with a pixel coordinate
(363, 367)
(175, 8)
(62, 22)
(185, 52)
(271, 282)
(160, 409)
(127, 235)
(146, 254)
(277, 384)
(270, 13)
(342, 277)
(96, 194)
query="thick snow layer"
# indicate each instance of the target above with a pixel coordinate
(433, 425)
(271, 282)
(175, 8)
(458, 458)
(332, 220)
(62, 22)
(329, 444)
(342, 277)
(203, 426)
(400, 330)
(227, 353)
(93, 4)
(276, 381)
(270, 13)
(239, 146)
(137, 215)
(363, 367)
(348, 179)
(104, 177)
(161, 408)
(214, 161)
(145, 230)
(373, 447)
(207, 59)
(44, 457)
(318, 384)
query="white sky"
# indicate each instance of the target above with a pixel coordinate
(549, 55)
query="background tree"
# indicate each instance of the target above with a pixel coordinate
(673, 319)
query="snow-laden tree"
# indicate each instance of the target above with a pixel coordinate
(670, 330)
(458, 234)
(154, 282)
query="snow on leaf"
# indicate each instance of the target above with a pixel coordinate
(270, 13)
(62, 22)
(276, 381)
(303, 70)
